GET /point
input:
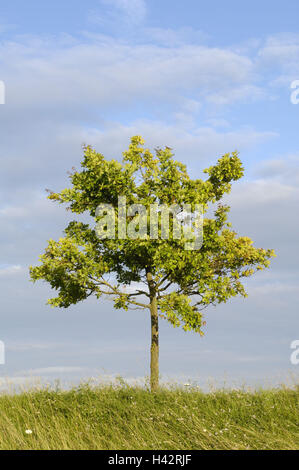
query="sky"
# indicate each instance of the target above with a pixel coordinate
(204, 78)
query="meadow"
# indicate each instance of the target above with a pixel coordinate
(125, 417)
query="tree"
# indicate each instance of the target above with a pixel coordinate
(178, 284)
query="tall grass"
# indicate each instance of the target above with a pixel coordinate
(132, 418)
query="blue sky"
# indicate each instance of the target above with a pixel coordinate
(204, 78)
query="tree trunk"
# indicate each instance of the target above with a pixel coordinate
(154, 379)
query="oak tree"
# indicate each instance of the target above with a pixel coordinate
(165, 278)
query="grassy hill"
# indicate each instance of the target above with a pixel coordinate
(132, 418)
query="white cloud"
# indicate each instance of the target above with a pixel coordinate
(218, 122)
(280, 49)
(135, 10)
(265, 209)
(10, 270)
(13, 212)
(200, 144)
(113, 73)
(284, 169)
(274, 288)
(174, 37)
(245, 93)
(63, 105)
(278, 59)
(132, 12)
(264, 191)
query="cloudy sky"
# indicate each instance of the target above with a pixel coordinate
(204, 78)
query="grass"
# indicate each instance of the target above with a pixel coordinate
(126, 417)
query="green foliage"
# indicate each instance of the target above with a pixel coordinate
(124, 417)
(185, 281)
